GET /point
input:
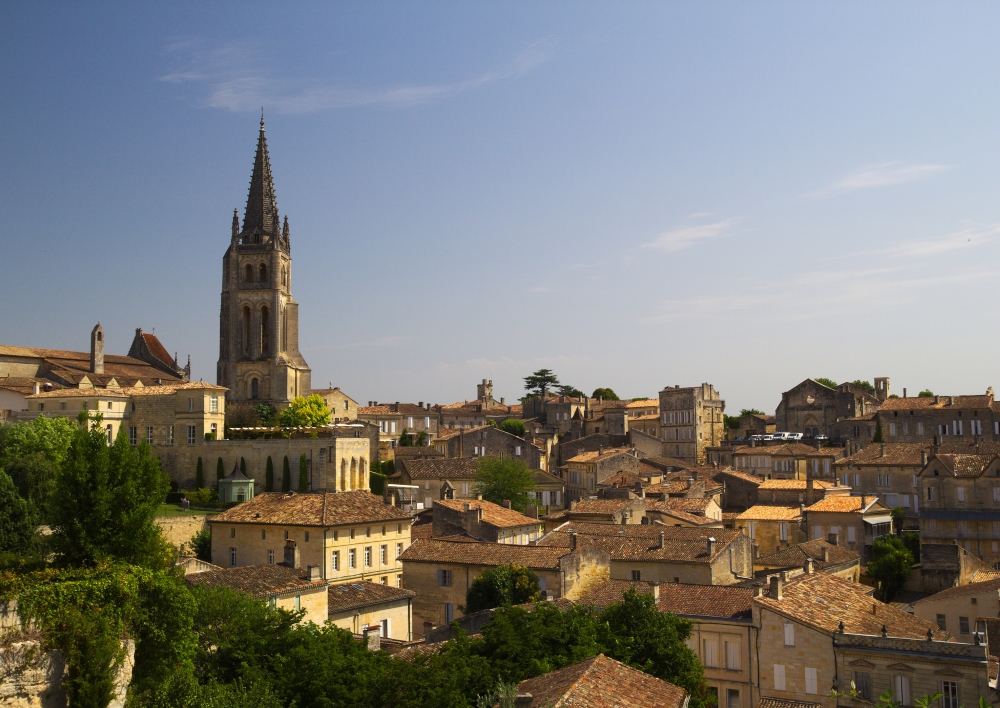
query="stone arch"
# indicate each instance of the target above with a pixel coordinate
(245, 325)
(354, 473)
(362, 471)
(254, 388)
(343, 474)
(265, 329)
(262, 273)
(248, 273)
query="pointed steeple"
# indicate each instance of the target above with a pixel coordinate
(262, 206)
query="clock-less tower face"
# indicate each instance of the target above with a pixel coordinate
(259, 358)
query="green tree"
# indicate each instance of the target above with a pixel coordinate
(513, 426)
(865, 385)
(877, 438)
(220, 470)
(286, 476)
(502, 585)
(730, 421)
(830, 383)
(201, 545)
(405, 439)
(269, 476)
(570, 391)
(303, 474)
(105, 502)
(750, 411)
(49, 437)
(540, 381)
(199, 476)
(605, 394)
(243, 466)
(18, 518)
(308, 412)
(889, 564)
(266, 413)
(504, 479)
(376, 482)
(911, 539)
(926, 393)
(898, 518)
(34, 477)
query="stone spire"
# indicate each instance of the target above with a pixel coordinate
(262, 207)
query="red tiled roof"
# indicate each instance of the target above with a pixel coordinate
(352, 596)
(642, 542)
(990, 586)
(313, 509)
(761, 512)
(482, 553)
(454, 468)
(601, 683)
(796, 556)
(493, 514)
(965, 465)
(726, 601)
(257, 580)
(927, 403)
(846, 504)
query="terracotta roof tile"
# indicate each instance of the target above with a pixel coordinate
(965, 465)
(784, 450)
(454, 468)
(795, 556)
(352, 596)
(493, 514)
(927, 403)
(641, 542)
(908, 454)
(799, 484)
(592, 456)
(846, 504)
(256, 580)
(601, 683)
(760, 512)
(374, 410)
(675, 504)
(990, 586)
(766, 702)
(823, 601)
(313, 509)
(481, 553)
(693, 519)
(726, 601)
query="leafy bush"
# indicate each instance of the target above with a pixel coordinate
(605, 394)
(826, 382)
(504, 479)
(376, 482)
(502, 585)
(889, 564)
(307, 412)
(201, 545)
(926, 393)
(513, 426)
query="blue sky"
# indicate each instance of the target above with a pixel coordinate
(633, 195)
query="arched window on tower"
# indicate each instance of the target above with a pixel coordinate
(263, 273)
(248, 273)
(265, 330)
(246, 329)
(254, 389)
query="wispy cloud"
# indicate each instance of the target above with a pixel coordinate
(883, 174)
(383, 342)
(231, 79)
(687, 236)
(966, 238)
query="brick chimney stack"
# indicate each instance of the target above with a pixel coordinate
(776, 589)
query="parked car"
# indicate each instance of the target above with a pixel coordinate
(793, 436)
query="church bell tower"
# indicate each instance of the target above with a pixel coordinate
(259, 358)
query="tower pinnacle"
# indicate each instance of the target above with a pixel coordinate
(260, 221)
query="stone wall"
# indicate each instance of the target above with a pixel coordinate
(179, 529)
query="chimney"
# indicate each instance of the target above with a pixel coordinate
(656, 592)
(711, 545)
(662, 537)
(479, 496)
(882, 451)
(420, 404)
(758, 591)
(468, 506)
(523, 700)
(97, 348)
(313, 573)
(572, 540)
(776, 584)
(756, 550)
(833, 539)
(372, 636)
(904, 392)
(923, 458)
(292, 554)
(531, 511)
(826, 554)
(428, 628)
(506, 504)
(502, 401)
(36, 388)
(808, 567)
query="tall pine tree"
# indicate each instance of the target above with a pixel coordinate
(269, 476)
(303, 474)
(286, 476)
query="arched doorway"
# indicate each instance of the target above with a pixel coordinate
(254, 389)
(265, 330)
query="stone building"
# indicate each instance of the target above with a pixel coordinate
(485, 521)
(795, 492)
(691, 419)
(819, 633)
(441, 572)
(342, 407)
(813, 408)
(940, 420)
(585, 471)
(473, 414)
(285, 585)
(824, 555)
(358, 606)
(889, 471)
(963, 610)
(488, 441)
(259, 356)
(659, 553)
(431, 480)
(787, 461)
(773, 528)
(722, 634)
(960, 503)
(615, 511)
(389, 424)
(347, 536)
(857, 522)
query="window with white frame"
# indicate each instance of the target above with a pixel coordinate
(384, 554)
(335, 560)
(733, 655)
(352, 558)
(789, 634)
(399, 550)
(812, 683)
(190, 405)
(170, 435)
(133, 435)
(213, 404)
(711, 653)
(779, 677)
(783, 531)
(368, 556)
(191, 433)
(149, 434)
(901, 690)
(949, 694)
(444, 578)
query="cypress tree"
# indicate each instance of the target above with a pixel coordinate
(220, 470)
(303, 475)
(243, 466)
(199, 476)
(286, 477)
(269, 477)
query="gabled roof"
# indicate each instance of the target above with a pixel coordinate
(600, 454)
(693, 519)
(312, 509)
(990, 586)
(602, 683)
(897, 454)
(965, 465)
(642, 542)
(257, 580)
(796, 556)
(354, 596)
(823, 601)
(433, 550)
(679, 504)
(861, 504)
(726, 601)
(799, 484)
(493, 514)
(980, 402)
(785, 450)
(761, 512)
(453, 468)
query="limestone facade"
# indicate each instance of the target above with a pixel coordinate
(813, 408)
(691, 419)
